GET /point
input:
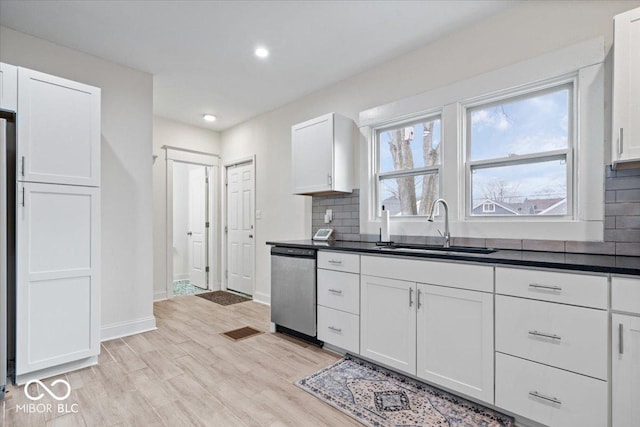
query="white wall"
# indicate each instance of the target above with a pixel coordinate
(126, 147)
(521, 32)
(174, 134)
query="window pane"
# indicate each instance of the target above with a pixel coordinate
(534, 124)
(409, 146)
(528, 189)
(409, 195)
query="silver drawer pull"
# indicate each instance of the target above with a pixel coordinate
(547, 287)
(547, 398)
(336, 291)
(542, 334)
(336, 262)
(334, 329)
(620, 339)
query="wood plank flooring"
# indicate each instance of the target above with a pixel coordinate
(187, 374)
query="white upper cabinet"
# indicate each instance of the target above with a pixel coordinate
(58, 130)
(322, 155)
(626, 89)
(8, 87)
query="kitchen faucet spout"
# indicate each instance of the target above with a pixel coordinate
(446, 235)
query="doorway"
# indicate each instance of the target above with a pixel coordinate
(240, 232)
(190, 222)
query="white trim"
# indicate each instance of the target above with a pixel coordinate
(262, 298)
(57, 370)
(159, 296)
(196, 158)
(584, 60)
(129, 327)
(223, 210)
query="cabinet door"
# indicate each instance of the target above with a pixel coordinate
(388, 322)
(57, 297)
(455, 339)
(626, 87)
(625, 376)
(58, 130)
(312, 155)
(8, 87)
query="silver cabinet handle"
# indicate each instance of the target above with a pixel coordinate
(620, 339)
(334, 329)
(620, 142)
(336, 291)
(23, 197)
(542, 334)
(410, 297)
(547, 398)
(335, 262)
(189, 233)
(251, 236)
(329, 179)
(419, 293)
(548, 287)
(22, 165)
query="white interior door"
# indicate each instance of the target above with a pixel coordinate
(197, 219)
(240, 254)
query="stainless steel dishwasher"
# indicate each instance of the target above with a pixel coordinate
(293, 291)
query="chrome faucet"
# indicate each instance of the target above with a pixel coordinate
(446, 235)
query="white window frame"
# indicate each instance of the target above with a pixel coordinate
(585, 62)
(548, 86)
(422, 171)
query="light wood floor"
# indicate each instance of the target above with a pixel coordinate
(187, 374)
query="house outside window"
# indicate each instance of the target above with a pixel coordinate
(408, 168)
(519, 154)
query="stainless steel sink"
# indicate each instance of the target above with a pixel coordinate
(409, 247)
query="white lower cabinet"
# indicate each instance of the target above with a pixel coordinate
(455, 339)
(388, 322)
(550, 396)
(57, 301)
(339, 328)
(625, 371)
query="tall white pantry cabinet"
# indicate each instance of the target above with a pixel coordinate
(57, 225)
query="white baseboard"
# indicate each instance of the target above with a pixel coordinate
(131, 327)
(56, 370)
(262, 298)
(159, 296)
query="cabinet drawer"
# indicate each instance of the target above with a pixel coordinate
(339, 329)
(339, 290)
(568, 288)
(550, 396)
(567, 337)
(625, 294)
(451, 274)
(339, 261)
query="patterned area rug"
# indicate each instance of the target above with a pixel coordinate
(376, 397)
(223, 297)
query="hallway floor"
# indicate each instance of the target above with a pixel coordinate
(186, 373)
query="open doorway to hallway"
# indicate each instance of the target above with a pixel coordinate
(191, 244)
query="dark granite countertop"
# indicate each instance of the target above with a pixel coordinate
(560, 260)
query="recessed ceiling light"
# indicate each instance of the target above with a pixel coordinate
(262, 52)
(209, 117)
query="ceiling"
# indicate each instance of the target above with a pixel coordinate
(201, 53)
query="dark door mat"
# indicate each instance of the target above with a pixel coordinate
(223, 297)
(242, 333)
